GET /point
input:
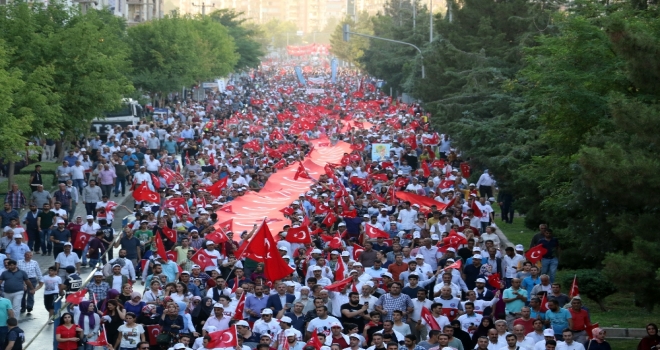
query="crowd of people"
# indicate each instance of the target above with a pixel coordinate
(427, 272)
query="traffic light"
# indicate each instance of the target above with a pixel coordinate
(346, 31)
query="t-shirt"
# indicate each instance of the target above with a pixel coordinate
(321, 326)
(358, 319)
(73, 283)
(558, 320)
(5, 306)
(17, 336)
(144, 236)
(51, 284)
(130, 337)
(46, 219)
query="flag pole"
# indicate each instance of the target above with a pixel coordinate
(246, 246)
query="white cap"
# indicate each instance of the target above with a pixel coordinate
(345, 253)
(350, 272)
(286, 319)
(520, 248)
(419, 256)
(476, 256)
(435, 237)
(68, 243)
(336, 324)
(342, 224)
(289, 332)
(209, 242)
(387, 274)
(417, 234)
(334, 252)
(450, 249)
(179, 346)
(480, 280)
(90, 217)
(316, 268)
(98, 273)
(316, 251)
(266, 312)
(476, 249)
(242, 323)
(548, 333)
(17, 235)
(219, 305)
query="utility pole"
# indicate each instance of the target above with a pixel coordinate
(431, 21)
(414, 10)
(203, 6)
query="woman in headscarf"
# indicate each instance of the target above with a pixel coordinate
(652, 339)
(112, 294)
(86, 318)
(598, 342)
(461, 335)
(482, 331)
(148, 316)
(194, 301)
(136, 304)
(201, 313)
(187, 320)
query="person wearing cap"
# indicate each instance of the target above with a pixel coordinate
(548, 339)
(267, 323)
(218, 320)
(59, 236)
(16, 249)
(98, 287)
(290, 338)
(66, 258)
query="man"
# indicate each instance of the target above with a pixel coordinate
(116, 280)
(17, 249)
(66, 258)
(514, 298)
(63, 197)
(525, 320)
(436, 313)
(31, 267)
(510, 263)
(15, 282)
(15, 335)
(493, 340)
(127, 268)
(7, 214)
(91, 195)
(525, 343)
(537, 335)
(59, 236)
(32, 228)
(53, 287)
(321, 323)
(430, 253)
(45, 222)
(453, 343)
(96, 248)
(501, 328)
(353, 312)
(548, 336)
(569, 343)
(6, 312)
(291, 340)
(368, 256)
(532, 281)
(75, 198)
(16, 199)
(217, 320)
(256, 302)
(355, 342)
(511, 343)
(398, 267)
(558, 318)
(556, 294)
(545, 286)
(131, 245)
(483, 343)
(581, 320)
(377, 340)
(470, 320)
(550, 260)
(394, 300)
(280, 300)
(443, 342)
(98, 287)
(337, 337)
(40, 197)
(388, 329)
(297, 317)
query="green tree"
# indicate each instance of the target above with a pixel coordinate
(245, 38)
(353, 50)
(279, 34)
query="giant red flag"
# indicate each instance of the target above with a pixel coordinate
(202, 259)
(430, 320)
(299, 235)
(223, 339)
(535, 254)
(374, 232)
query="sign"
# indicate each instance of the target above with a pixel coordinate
(210, 85)
(102, 127)
(380, 152)
(315, 91)
(299, 33)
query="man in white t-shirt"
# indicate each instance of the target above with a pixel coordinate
(322, 322)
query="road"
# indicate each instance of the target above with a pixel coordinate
(42, 339)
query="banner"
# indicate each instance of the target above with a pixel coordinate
(299, 73)
(333, 68)
(317, 80)
(380, 152)
(314, 91)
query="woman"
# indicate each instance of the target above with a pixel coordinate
(113, 317)
(89, 321)
(181, 293)
(383, 259)
(171, 322)
(136, 304)
(125, 295)
(154, 294)
(169, 289)
(67, 333)
(482, 331)
(201, 313)
(598, 342)
(258, 272)
(112, 294)
(131, 333)
(194, 301)
(187, 320)
(652, 340)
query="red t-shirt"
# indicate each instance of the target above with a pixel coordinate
(67, 333)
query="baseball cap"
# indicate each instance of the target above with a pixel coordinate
(548, 333)
(520, 248)
(477, 256)
(451, 250)
(285, 319)
(90, 217)
(419, 256)
(435, 238)
(266, 312)
(289, 332)
(479, 280)
(242, 323)
(219, 305)
(345, 253)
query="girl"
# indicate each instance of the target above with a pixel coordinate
(181, 293)
(67, 333)
(89, 321)
(113, 317)
(131, 334)
(125, 295)
(154, 294)
(136, 304)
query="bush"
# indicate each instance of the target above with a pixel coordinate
(23, 181)
(592, 284)
(46, 168)
(573, 258)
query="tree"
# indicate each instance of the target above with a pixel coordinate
(279, 34)
(353, 50)
(593, 285)
(178, 51)
(248, 48)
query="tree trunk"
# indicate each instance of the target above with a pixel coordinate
(601, 304)
(10, 175)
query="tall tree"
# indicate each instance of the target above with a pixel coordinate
(353, 50)
(245, 38)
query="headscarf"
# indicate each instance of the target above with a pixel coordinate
(595, 333)
(649, 341)
(84, 311)
(147, 309)
(133, 295)
(482, 331)
(201, 310)
(182, 308)
(112, 294)
(191, 305)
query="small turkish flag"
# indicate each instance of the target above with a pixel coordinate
(217, 237)
(425, 169)
(341, 271)
(216, 188)
(535, 254)
(238, 313)
(170, 234)
(335, 242)
(375, 232)
(225, 226)
(430, 320)
(202, 259)
(301, 172)
(299, 235)
(76, 297)
(457, 265)
(102, 340)
(339, 285)
(314, 341)
(475, 207)
(143, 193)
(357, 250)
(154, 331)
(450, 312)
(544, 303)
(160, 247)
(575, 291)
(172, 255)
(223, 339)
(495, 281)
(329, 220)
(81, 241)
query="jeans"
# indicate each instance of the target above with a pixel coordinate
(15, 299)
(34, 240)
(84, 255)
(71, 211)
(106, 189)
(46, 244)
(549, 267)
(28, 299)
(80, 184)
(4, 330)
(57, 249)
(120, 181)
(90, 208)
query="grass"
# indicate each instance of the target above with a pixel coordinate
(623, 344)
(46, 168)
(23, 181)
(621, 311)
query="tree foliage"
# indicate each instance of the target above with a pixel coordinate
(178, 51)
(245, 38)
(353, 50)
(592, 284)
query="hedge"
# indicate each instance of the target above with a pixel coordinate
(46, 168)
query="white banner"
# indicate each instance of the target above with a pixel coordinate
(315, 91)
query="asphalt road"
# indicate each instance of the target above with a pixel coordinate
(35, 324)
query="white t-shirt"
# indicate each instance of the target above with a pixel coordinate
(51, 284)
(77, 172)
(321, 326)
(116, 282)
(151, 165)
(130, 336)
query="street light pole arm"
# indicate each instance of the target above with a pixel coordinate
(394, 41)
